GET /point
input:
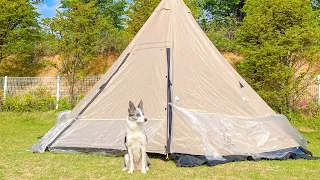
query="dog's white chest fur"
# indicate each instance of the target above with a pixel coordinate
(136, 138)
(135, 141)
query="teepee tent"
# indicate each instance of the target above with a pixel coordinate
(200, 110)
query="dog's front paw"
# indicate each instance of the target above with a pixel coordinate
(147, 168)
(143, 171)
(124, 169)
(130, 171)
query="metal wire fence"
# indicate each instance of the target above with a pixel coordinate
(56, 86)
(312, 92)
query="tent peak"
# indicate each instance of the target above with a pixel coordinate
(171, 4)
(165, 5)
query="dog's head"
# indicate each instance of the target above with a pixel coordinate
(136, 113)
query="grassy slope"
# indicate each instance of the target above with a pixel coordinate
(19, 131)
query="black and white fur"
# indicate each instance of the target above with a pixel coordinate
(136, 141)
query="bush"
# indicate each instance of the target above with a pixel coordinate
(297, 118)
(37, 100)
(222, 35)
(63, 104)
(222, 40)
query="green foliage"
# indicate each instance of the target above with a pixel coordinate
(19, 35)
(298, 119)
(222, 37)
(278, 40)
(224, 12)
(222, 42)
(112, 42)
(115, 39)
(63, 104)
(195, 9)
(138, 13)
(48, 45)
(113, 9)
(220, 22)
(77, 31)
(315, 4)
(38, 100)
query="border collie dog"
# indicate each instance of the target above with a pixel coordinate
(136, 141)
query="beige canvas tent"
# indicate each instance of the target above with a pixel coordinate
(199, 108)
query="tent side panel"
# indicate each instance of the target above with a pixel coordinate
(104, 85)
(214, 135)
(203, 79)
(107, 134)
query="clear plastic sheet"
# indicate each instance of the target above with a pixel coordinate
(62, 116)
(216, 136)
(62, 122)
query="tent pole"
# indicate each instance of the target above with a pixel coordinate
(169, 108)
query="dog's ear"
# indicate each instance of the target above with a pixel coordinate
(140, 106)
(131, 109)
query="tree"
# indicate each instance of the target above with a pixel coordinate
(223, 12)
(140, 10)
(19, 36)
(112, 43)
(221, 20)
(138, 13)
(195, 9)
(114, 9)
(278, 40)
(77, 31)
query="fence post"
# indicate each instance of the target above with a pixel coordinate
(5, 87)
(58, 91)
(318, 88)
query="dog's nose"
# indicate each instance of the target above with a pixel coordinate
(145, 119)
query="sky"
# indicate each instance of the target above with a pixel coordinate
(48, 8)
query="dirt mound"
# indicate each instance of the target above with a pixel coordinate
(97, 67)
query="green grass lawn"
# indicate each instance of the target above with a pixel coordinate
(19, 131)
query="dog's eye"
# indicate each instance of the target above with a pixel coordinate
(138, 115)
